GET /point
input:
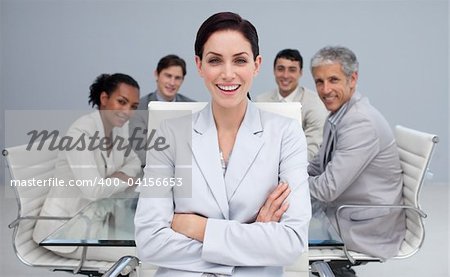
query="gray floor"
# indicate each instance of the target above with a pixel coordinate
(432, 260)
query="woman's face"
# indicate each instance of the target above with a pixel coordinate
(227, 68)
(120, 105)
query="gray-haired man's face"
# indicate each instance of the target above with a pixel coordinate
(333, 87)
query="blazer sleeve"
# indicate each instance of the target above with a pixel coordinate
(156, 242)
(314, 166)
(357, 145)
(314, 117)
(131, 165)
(273, 243)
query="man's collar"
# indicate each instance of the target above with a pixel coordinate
(290, 97)
(336, 117)
(160, 97)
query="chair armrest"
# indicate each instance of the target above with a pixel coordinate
(123, 266)
(17, 220)
(345, 206)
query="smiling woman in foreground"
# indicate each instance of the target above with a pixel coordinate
(249, 207)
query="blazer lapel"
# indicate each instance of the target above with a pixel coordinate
(324, 155)
(205, 150)
(299, 95)
(152, 97)
(246, 148)
(274, 96)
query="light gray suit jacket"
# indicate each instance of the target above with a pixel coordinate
(268, 148)
(313, 115)
(139, 121)
(364, 169)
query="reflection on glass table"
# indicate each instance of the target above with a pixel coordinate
(321, 232)
(109, 222)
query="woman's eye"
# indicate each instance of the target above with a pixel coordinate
(214, 61)
(241, 61)
(122, 102)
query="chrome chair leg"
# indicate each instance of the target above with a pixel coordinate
(123, 266)
(322, 268)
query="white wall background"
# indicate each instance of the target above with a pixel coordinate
(51, 50)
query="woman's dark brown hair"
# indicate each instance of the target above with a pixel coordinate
(226, 21)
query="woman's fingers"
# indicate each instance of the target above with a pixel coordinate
(273, 209)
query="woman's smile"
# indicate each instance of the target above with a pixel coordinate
(228, 89)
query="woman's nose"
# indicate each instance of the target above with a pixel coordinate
(128, 111)
(228, 72)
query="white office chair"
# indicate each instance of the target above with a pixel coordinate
(291, 110)
(39, 164)
(415, 150)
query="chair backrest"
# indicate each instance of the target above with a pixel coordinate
(27, 167)
(415, 150)
(291, 109)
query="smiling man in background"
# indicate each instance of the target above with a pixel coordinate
(358, 162)
(169, 75)
(288, 68)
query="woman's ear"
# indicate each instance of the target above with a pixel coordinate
(198, 63)
(258, 62)
(104, 97)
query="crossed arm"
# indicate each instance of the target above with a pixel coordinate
(193, 225)
(190, 242)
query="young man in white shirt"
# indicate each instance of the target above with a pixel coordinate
(288, 69)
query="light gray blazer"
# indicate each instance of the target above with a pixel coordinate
(364, 169)
(314, 114)
(268, 148)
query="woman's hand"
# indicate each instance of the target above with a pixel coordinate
(275, 206)
(122, 176)
(190, 225)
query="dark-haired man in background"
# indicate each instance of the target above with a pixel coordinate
(288, 68)
(169, 75)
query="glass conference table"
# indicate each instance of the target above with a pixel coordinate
(109, 222)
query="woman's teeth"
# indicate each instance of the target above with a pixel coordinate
(228, 88)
